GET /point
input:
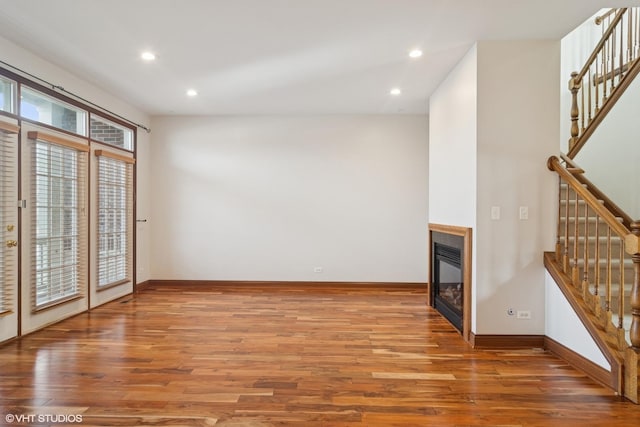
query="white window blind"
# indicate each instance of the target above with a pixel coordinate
(8, 213)
(115, 217)
(58, 221)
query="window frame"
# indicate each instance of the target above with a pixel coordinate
(128, 133)
(106, 162)
(77, 241)
(8, 215)
(13, 96)
(57, 93)
(82, 115)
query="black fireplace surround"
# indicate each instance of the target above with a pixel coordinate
(447, 276)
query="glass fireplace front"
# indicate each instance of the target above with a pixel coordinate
(447, 278)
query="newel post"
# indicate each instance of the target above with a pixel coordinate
(574, 87)
(634, 331)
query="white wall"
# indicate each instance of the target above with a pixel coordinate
(452, 146)
(611, 156)
(564, 326)
(23, 59)
(493, 123)
(453, 153)
(518, 124)
(272, 197)
(143, 206)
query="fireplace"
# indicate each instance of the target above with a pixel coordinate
(450, 277)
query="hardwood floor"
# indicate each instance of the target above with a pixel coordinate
(285, 356)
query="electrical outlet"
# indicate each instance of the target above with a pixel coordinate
(317, 269)
(523, 314)
(524, 212)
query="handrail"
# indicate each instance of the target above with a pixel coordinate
(605, 76)
(619, 228)
(587, 218)
(633, 71)
(578, 172)
(601, 18)
(599, 275)
(601, 43)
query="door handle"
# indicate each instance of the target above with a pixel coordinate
(12, 243)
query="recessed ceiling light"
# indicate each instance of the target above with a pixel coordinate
(192, 92)
(395, 91)
(415, 53)
(148, 56)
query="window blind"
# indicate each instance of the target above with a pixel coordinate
(8, 213)
(58, 220)
(115, 218)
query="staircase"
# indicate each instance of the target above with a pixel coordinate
(608, 72)
(597, 258)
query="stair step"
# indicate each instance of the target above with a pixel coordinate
(602, 262)
(572, 202)
(592, 240)
(614, 289)
(592, 219)
(564, 186)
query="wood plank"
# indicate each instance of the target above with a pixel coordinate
(289, 355)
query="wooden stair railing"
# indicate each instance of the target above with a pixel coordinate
(605, 18)
(598, 249)
(607, 73)
(578, 173)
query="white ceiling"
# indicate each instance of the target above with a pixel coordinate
(276, 56)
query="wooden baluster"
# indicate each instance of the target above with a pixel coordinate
(585, 271)
(621, 287)
(634, 26)
(637, 32)
(608, 278)
(589, 103)
(620, 50)
(582, 111)
(559, 228)
(620, 75)
(629, 35)
(574, 87)
(565, 260)
(613, 59)
(597, 85)
(575, 274)
(603, 75)
(634, 331)
(597, 257)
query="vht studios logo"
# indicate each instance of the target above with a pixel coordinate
(42, 418)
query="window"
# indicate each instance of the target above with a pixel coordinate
(45, 109)
(58, 219)
(107, 132)
(7, 95)
(8, 214)
(115, 209)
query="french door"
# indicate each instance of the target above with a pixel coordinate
(112, 224)
(55, 219)
(9, 229)
(66, 208)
